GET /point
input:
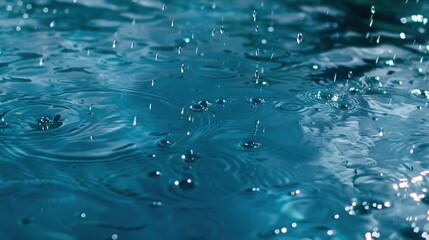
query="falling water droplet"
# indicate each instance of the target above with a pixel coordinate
(213, 32)
(132, 45)
(221, 30)
(135, 121)
(182, 68)
(350, 74)
(52, 24)
(257, 28)
(372, 9)
(41, 61)
(299, 38)
(153, 82)
(179, 50)
(254, 16)
(156, 56)
(172, 23)
(114, 44)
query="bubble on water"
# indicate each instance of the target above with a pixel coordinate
(114, 236)
(299, 38)
(156, 204)
(290, 106)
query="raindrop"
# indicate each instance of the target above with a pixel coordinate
(179, 50)
(165, 143)
(299, 38)
(257, 28)
(156, 56)
(256, 101)
(213, 32)
(372, 9)
(190, 157)
(163, 7)
(221, 30)
(41, 61)
(200, 106)
(254, 16)
(135, 121)
(350, 74)
(114, 44)
(52, 24)
(155, 174)
(172, 23)
(182, 68)
(185, 184)
(132, 45)
(251, 145)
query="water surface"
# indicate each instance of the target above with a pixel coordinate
(146, 119)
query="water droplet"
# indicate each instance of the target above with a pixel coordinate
(114, 236)
(372, 9)
(165, 143)
(200, 106)
(257, 28)
(251, 145)
(155, 174)
(213, 32)
(254, 16)
(132, 45)
(185, 184)
(350, 74)
(114, 44)
(135, 121)
(172, 23)
(182, 68)
(221, 30)
(256, 101)
(156, 56)
(52, 24)
(41, 61)
(179, 50)
(190, 156)
(221, 101)
(299, 38)
(163, 7)
(156, 204)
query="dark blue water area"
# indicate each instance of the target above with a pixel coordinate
(223, 119)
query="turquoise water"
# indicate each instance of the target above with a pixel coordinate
(260, 119)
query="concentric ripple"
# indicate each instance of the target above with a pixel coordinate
(36, 127)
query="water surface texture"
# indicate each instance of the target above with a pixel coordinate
(223, 119)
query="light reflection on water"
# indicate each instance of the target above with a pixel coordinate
(214, 120)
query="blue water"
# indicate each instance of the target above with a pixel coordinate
(223, 119)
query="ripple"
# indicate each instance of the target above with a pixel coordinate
(37, 127)
(290, 106)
